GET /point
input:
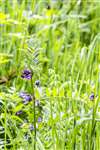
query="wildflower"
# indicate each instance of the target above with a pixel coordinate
(31, 127)
(37, 83)
(26, 74)
(27, 98)
(22, 94)
(19, 112)
(91, 97)
(39, 119)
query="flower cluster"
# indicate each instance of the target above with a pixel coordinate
(26, 97)
(26, 74)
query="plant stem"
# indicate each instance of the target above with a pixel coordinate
(33, 97)
(5, 123)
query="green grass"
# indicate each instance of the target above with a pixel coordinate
(58, 40)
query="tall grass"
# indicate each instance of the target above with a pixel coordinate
(58, 40)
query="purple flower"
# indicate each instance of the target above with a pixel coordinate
(26, 74)
(22, 94)
(31, 127)
(26, 97)
(19, 112)
(91, 97)
(39, 119)
(37, 83)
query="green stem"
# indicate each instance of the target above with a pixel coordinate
(5, 123)
(33, 97)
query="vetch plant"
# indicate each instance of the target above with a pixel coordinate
(49, 75)
(27, 74)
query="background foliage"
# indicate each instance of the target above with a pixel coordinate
(59, 41)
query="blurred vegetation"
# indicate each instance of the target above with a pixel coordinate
(59, 41)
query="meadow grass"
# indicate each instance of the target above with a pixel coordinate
(50, 74)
